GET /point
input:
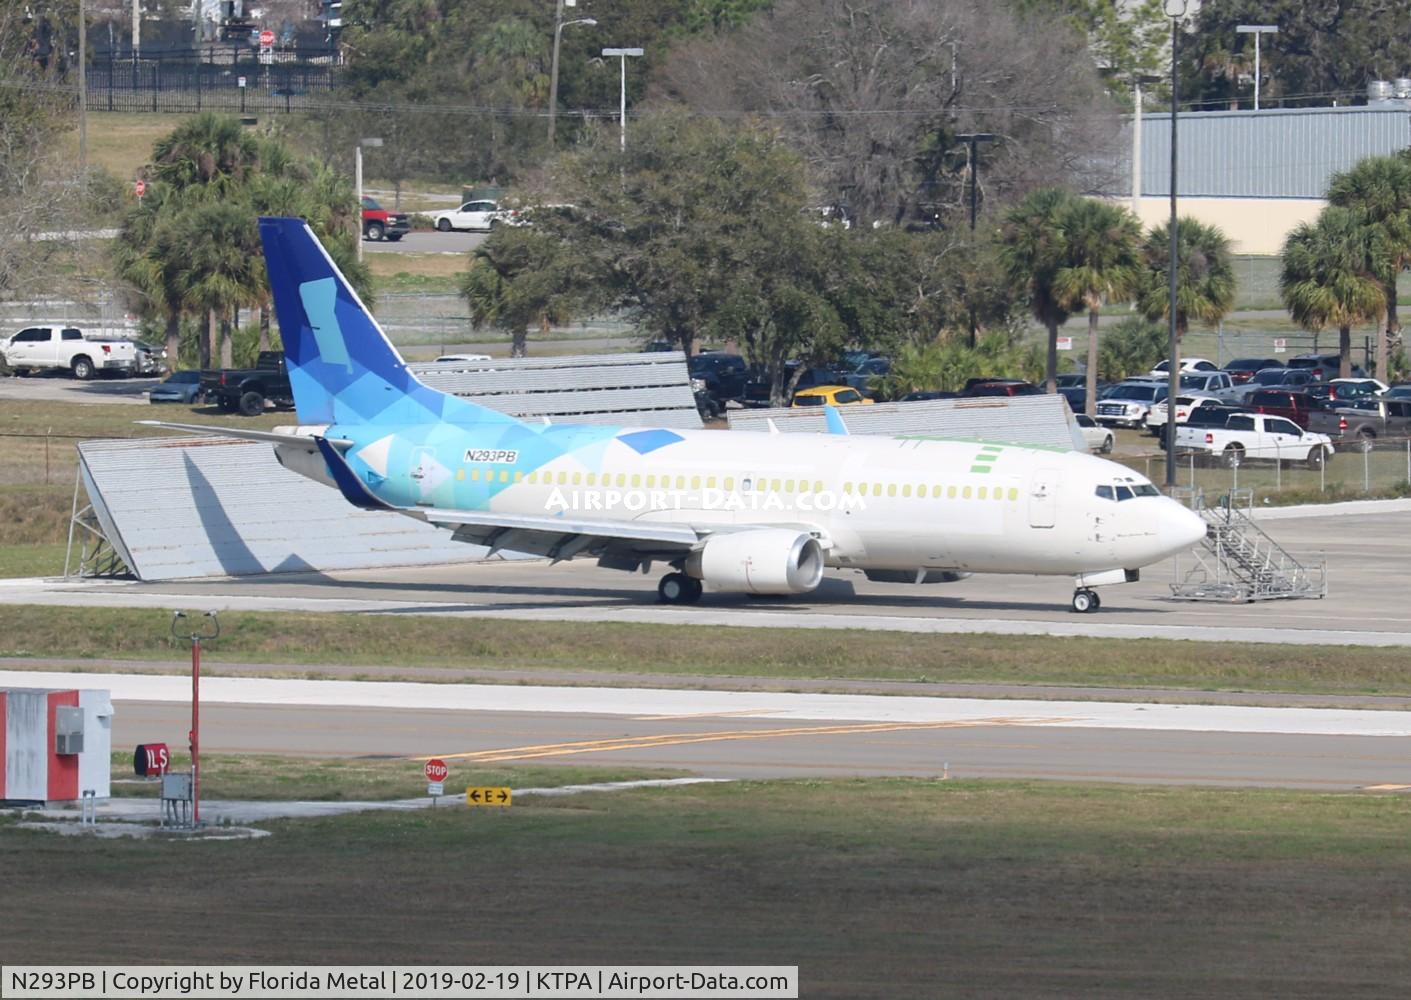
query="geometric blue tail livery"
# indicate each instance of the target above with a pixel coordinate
(342, 368)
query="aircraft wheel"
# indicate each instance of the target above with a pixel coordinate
(678, 588)
(1085, 601)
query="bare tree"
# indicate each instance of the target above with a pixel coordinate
(875, 91)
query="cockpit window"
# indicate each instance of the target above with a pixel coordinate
(1105, 492)
(1146, 490)
(1124, 493)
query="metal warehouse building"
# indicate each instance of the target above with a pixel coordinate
(1257, 174)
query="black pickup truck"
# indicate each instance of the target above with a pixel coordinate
(248, 389)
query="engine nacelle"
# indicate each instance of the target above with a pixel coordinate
(759, 561)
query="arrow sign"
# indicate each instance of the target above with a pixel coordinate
(492, 796)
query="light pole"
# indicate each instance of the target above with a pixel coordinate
(82, 93)
(1175, 10)
(972, 163)
(1256, 30)
(559, 25)
(358, 183)
(622, 54)
(194, 636)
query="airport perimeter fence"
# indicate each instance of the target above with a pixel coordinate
(1361, 469)
(234, 79)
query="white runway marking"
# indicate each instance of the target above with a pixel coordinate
(760, 704)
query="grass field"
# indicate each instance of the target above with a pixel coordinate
(424, 273)
(883, 888)
(300, 643)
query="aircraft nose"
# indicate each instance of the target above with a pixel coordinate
(1180, 527)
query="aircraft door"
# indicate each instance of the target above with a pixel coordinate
(1043, 498)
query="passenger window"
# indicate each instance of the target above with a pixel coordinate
(1014, 490)
(935, 492)
(651, 482)
(504, 475)
(847, 487)
(981, 493)
(681, 483)
(475, 475)
(965, 493)
(906, 490)
(695, 482)
(730, 484)
(578, 479)
(891, 489)
(818, 486)
(950, 492)
(876, 489)
(710, 482)
(1105, 493)
(518, 476)
(788, 486)
(636, 480)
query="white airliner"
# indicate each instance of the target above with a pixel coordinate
(758, 513)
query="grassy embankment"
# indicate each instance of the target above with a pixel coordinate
(447, 649)
(878, 888)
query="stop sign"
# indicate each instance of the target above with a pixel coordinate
(266, 38)
(140, 187)
(436, 769)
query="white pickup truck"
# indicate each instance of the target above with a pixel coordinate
(1247, 436)
(65, 348)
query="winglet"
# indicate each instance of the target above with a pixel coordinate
(353, 491)
(772, 428)
(834, 419)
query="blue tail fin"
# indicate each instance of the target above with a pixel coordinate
(342, 368)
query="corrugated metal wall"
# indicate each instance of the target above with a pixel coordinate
(651, 389)
(1270, 153)
(192, 507)
(1037, 420)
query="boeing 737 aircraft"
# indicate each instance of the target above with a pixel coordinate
(759, 513)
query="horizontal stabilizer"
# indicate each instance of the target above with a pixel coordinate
(240, 433)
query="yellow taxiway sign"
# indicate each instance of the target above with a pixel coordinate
(487, 796)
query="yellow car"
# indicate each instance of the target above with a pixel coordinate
(838, 395)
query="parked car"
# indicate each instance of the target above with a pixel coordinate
(1206, 382)
(1156, 416)
(1098, 438)
(65, 348)
(1127, 404)
(1248, 436)
(1296, 406)
(837, 395)
(1402, 391)
(723, 375)
(1241, 370)
(477, 215)
(757, 387)
(178, 387)
(1187, 365)
(924, 395)
(1003, 387)
(1206, 417)
(1364, 419)
(248, 389)
(380, 224)
(1323, 366)
(862, 377)
(1269, 378)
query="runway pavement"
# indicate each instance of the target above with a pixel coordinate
(1366, 547)
(768, 734)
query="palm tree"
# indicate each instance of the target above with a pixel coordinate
(209, 150)
(1332, 275)
(1379, 187)
(1102, 264)
(222, 267)
(1205, 275)
(1034, 250)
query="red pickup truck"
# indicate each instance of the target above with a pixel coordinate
(380, 224)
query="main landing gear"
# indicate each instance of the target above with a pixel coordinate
(1086, 601)
(678, 588)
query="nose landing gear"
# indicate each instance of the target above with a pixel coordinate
(678, 588)
(1086, 601)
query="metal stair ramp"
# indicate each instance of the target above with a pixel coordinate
(1238, 563)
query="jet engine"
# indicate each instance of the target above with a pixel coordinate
(759, 561)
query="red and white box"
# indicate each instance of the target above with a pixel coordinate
(56, 745)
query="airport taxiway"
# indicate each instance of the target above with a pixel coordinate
(759, 734)
(1366, 546)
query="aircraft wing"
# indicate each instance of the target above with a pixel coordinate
(562, 537)
(300, 441)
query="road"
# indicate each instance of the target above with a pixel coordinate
(428, 242)
(756, 734)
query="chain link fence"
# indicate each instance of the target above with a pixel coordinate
(1365, 468)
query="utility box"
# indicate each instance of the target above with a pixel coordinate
(55, 745)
